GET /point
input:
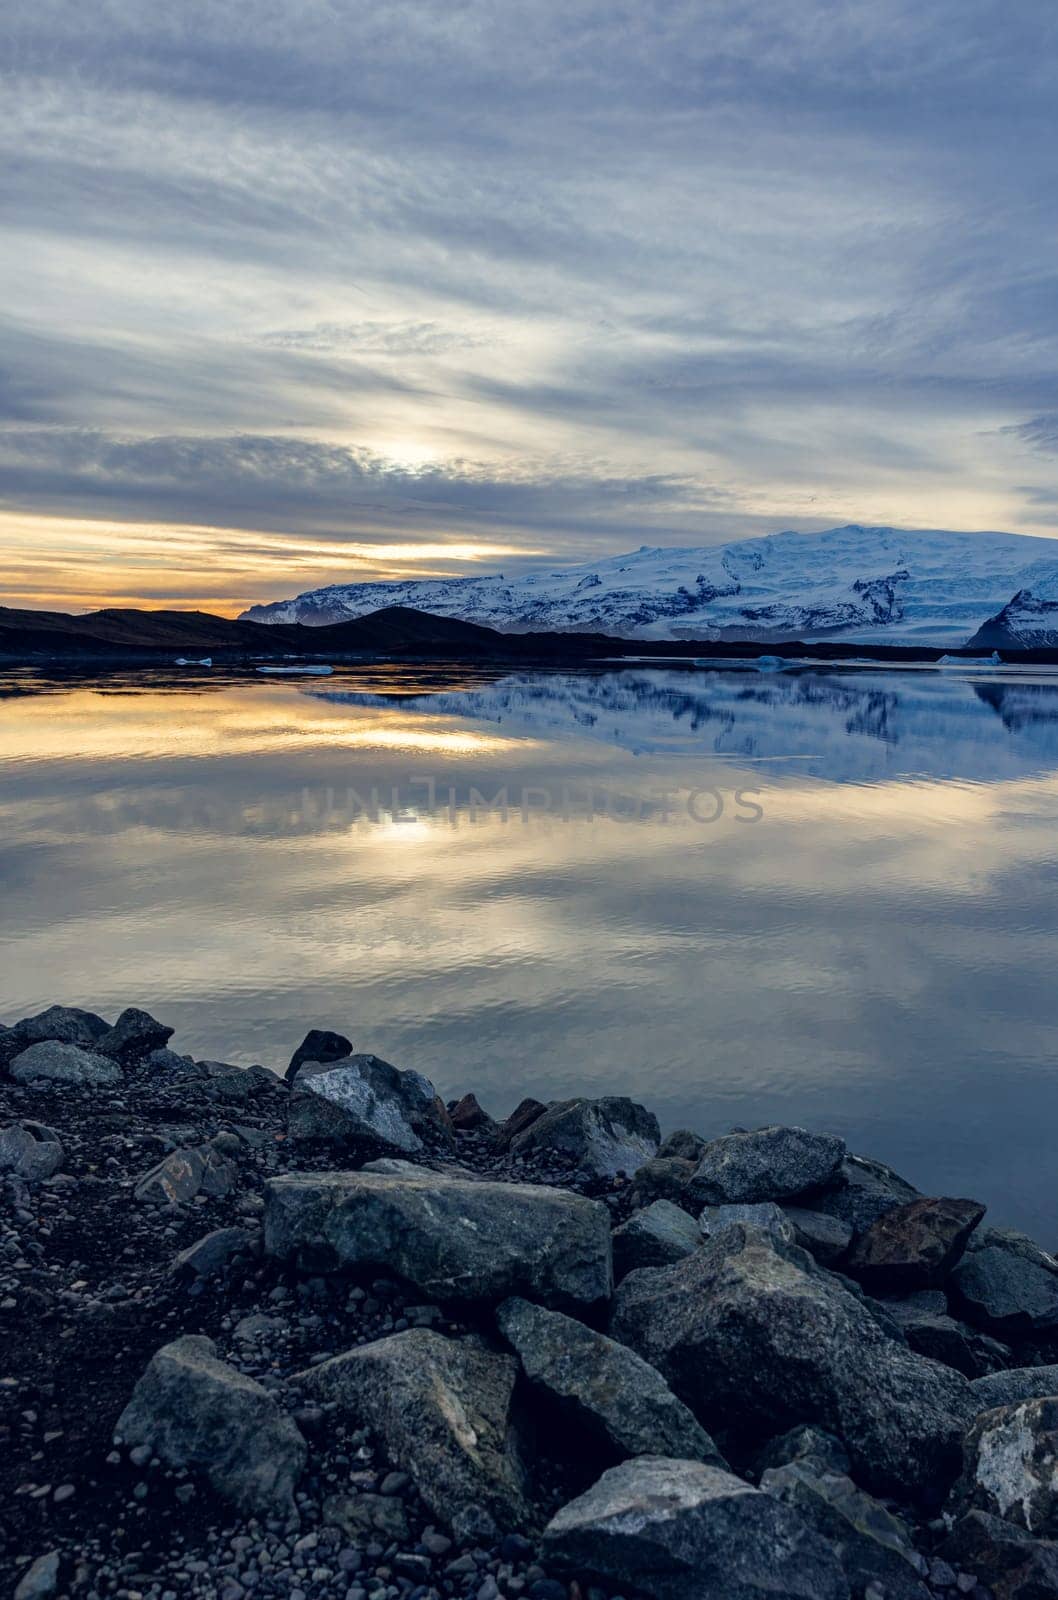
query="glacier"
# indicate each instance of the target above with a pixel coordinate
(867, 585)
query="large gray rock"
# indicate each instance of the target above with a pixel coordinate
(49, 1062)
(1010, 1466)
(193, 1410)
(765, 1214)
(185, 1173)
(602, 1387)
(442, 1408)
(683, 1145)
(754, 1336)
(1015, 1243)
(943, 1338)
(914, 1245)
(65, 1024)
(663, 1178)
(654, 1237)
(682, 1530)
(134, 1035)
(1007, 1560)
(825, 1237)
(768, 1164)
(863, 1190)
(455, 1239)
(602, 1137)
(212, 1253)
(1005, 1292)
(367, 1107)
(25, 1151)
(870, 1542)
(1011, 1387)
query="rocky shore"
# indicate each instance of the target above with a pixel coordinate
(322, 1335)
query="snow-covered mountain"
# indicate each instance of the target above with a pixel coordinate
(880, 585)
(1028, 622)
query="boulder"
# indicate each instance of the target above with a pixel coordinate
(913, 1245)
(863, 1191)
(456, 1239)
(683, 1145)
(765, 1215)
(1010, 1466)
(368, 1108)
(185, 1173)
(49, 1062)
(825, 1237)
(212, 1253)
(442, 1408)
(522, 1117)
(935, 1334)
(1005, 1292)
(1007, 1560)
(807, 1445)
(602, 1389)
(134, 1035)
(1011, 1387)
(1014, 1243)
(40, 1580)
(25, 1152)
(662, 1179)
(193, 1410)
(654, 1237)
(769, 1164)
(672, 1529)
(233, 1085)
(870, 1542)
(468, 1117)
(64, 1024)
(755, 1337)
(321, 1046)
(600, 1137)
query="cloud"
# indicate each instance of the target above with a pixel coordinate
(670, 268)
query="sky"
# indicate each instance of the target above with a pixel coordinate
(297, 293)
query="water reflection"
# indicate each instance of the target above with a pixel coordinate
(874, 954)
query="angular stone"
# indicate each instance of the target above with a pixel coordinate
(213, 1251)
(654, 1237)
(134, 1035)
(26, 1154)
(40, 1580)
(870, 1542)
(942, 1338)
(662, 1179)
(765, 1214)
(1005, 1292)
(602, 1387)
(368, 1108)
(825, 1237)
(468, 1117)
(914, 1245)
(522, 1117)
(48, 1062)
(318, 1045)
(193, 1410)
(1015, 1244)
(234, 1085)
(1007, 1560)
(863, 1191)
(183, 1174)
(455, 1239)
(65, 1024)
(754, 1336)
(684, 1145)
(682, 1530)
(1010, 1466)
(442, 1407)
(602, 1137)
(1010, 1388)
(769, 1164)
(809, 1446)
(367, 1516)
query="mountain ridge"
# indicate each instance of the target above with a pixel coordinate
(928, 587)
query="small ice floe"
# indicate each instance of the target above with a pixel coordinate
(183, 661)
(770, 663)
(314, 672)
(994, 660)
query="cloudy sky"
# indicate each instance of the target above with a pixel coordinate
(297, 292)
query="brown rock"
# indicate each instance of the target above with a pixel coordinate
(522, 1117)
(468, 1117)
(914, 1245)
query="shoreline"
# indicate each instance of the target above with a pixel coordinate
(771, 1335)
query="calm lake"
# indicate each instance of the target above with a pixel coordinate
(813, 896)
